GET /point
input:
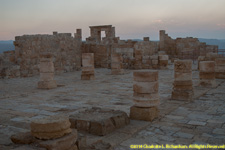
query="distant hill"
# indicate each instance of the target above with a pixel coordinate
(220, 43)
(6, 46)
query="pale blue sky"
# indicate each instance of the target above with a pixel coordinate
(132, 18)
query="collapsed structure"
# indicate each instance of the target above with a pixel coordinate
(67, 51)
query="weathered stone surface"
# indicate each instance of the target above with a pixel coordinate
(99, 121)
(22, 138)
(47, 84)
(87, 59)
(183, 66)
(207, 75)
(116, 64)
(220, 75)
(88, 72)
(50, 124)
(145, 76)
(51, 135)
(145, 87)
(46, 67)
(142, 102)
(146, 114)
(185, 95)
(50, 127)
(182, 76)
(207, 66)
(81, 142)
(66, 142)
(46, 76)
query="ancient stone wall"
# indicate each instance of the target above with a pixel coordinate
(101, 53)
(64, 48)
(8, 66)
(184, 48)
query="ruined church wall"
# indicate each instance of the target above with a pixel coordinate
(101, 53)
(64, 48)
(184, 48)
(8, 66)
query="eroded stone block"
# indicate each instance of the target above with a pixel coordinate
(146, 114)
(183, 66)
(67, 142)
(99, 121)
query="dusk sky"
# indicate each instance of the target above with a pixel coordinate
(132, 18)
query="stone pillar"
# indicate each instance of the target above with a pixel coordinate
(78, 34)
(163, 61)
(155, 61)
(88, 72)
(182, 86)
(54, 132)
(116, 64)
(200, 58)
(207, 73)
(46, 72)
(145, 97)
(220, 68)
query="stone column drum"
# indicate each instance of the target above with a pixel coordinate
(46, 72)
(145, 97)
(207, 73)
(88, 72)
(182, 85)
(220, 68)
(116, 64)
(163, 61)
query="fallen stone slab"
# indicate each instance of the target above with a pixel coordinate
(99, 121)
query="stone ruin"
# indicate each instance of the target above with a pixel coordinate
(60, 52)
(219, 61)
(47, 72)
(182, 85)
(52, 133)
(116, 64)
(207, 73)
(67, 51)
(145, 97)
(88, 70)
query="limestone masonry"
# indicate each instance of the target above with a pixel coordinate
(67, 51)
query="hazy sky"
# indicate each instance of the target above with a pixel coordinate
(132, 18)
